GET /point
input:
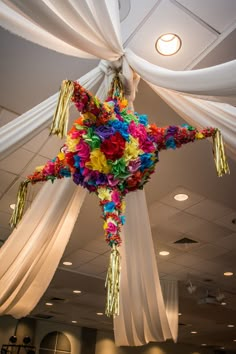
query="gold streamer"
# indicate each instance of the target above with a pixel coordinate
(60, 119)
(117, 88)
(20, 204)
(221, 163)
(113, 283)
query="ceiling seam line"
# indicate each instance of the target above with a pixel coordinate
(196, 17)
(141, 24)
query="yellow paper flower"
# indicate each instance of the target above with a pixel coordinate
(104, 194)
(71, 143)
(61, 156)
(98, 162)
(123, 205)
(90, 116)
(199, 135)
(39, 168)
(132, 149)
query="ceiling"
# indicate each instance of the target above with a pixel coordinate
(30, 74)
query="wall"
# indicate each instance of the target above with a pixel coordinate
(105, 345)
(72, 332)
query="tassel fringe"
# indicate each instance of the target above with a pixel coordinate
(113, 284)
(61, 115)
(221, 163)
(20, 204)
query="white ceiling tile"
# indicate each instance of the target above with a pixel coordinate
(90, 269)
(227, 221)
(193, 198)
(227, 259)
(228, 242)
(6, 178)
(38, 141)
(78, 258)
(209, 251)
(5, 219)
(17, 161)
(209, 210)
(30, 168)
(169, 267)
(186, 260)
(209, 266)
(184, 222)
(220, 18)
(52, 147)
(143, 42)
(209, 232)
(136, 15)
(162, 233)
(6, 116)
(160, 213)
(97, 246)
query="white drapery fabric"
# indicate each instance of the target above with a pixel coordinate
(144, 316)
(203, 113)
(54, 24)
(30, 256)
(84, 28)
(20, 130)
(214, 81)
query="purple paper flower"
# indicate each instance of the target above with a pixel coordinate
(134, 165)
(104, 131)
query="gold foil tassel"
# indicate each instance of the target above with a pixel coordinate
(221, 163)
(20, 204)
(60, 119)
(113, 283)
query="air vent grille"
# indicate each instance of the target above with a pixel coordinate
(184, 241)
(43, 316)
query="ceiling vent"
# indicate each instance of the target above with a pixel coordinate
(58, 299)
(43, 316)
(185, 241)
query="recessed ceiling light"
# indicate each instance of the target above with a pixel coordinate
(234, 340)
(193, 332)
(222, 347)
(228, 274)
(180, 314)
(77, 291)
(67, 263)
(12, 206)
(203, 344)
(168, 44)
(181, 197)
(74, 321)
(164, 253)
(230, 325)
(99, 313)
(223, 303)
(49, 304)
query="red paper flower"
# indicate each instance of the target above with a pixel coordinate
(113, 147)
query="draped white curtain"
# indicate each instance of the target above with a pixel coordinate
(85, 28)
(88, 29)
(202, 113)
(144, 316)
(32, 253)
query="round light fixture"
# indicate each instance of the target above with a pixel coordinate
(228, 274)
(77, 291)
(203, 344)
(180, 314)
(49, 304)
(74, 321)
(234, 340)
(12, 206)
(181, 197)
(67, 263)
(100, 313)
(223, 303)
(230, 325)
(193, 332)
(168, 44)
(164, 253)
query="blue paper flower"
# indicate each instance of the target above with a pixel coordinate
(109, 207)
